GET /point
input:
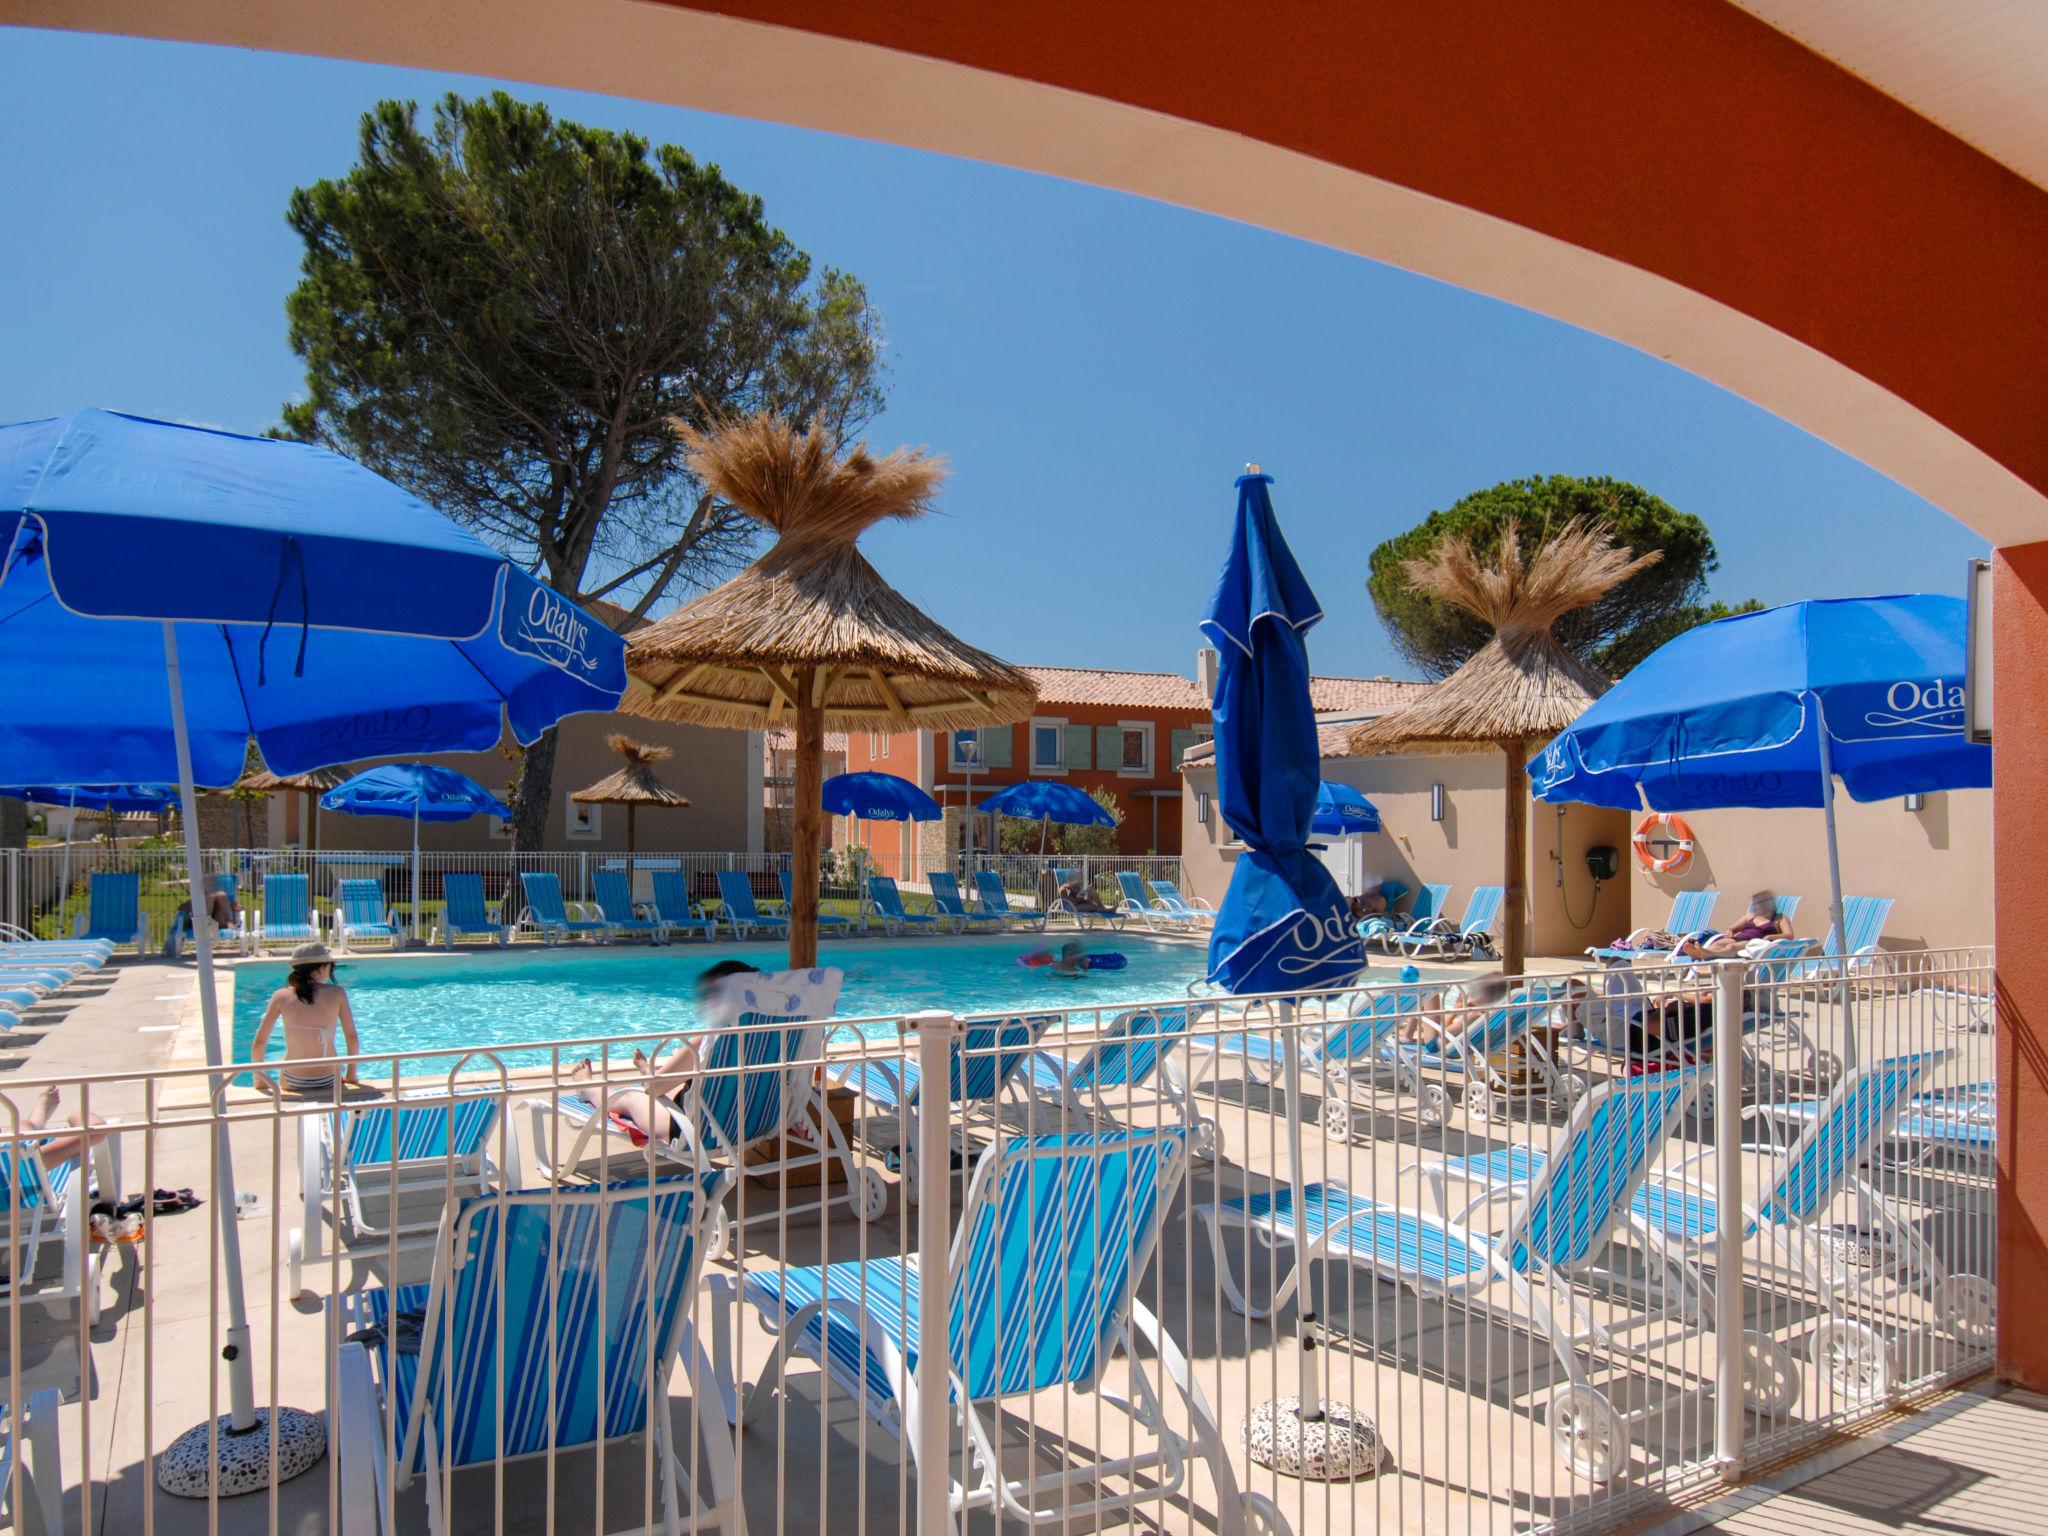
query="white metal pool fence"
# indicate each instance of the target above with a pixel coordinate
(46, 889)
(1563, 1287)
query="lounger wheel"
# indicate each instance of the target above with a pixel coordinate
(1208, 1139)
(1588, 1434)
(1262, 1517)
(1571, 1088)
(1855, 1360)
(1479, 1102)
(870, 1195)
(1770, 1375)
(1827, 1069)
(295, 1262)
(1432, 1104)
(1337, 1119)
(719, 1244)
(1968, 1307)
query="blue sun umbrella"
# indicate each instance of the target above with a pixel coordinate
(1341, 810)
(878, 797)
(106, 798)
(1769, 709)
(1283, 924)
(1046, 801)
(419, 792)
(167, 592)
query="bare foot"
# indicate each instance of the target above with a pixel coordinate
(47, 1106)
(582, 1070)
(642, 1062)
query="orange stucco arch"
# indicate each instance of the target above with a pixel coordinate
(1677, 176)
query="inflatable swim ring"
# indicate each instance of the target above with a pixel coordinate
(1107, 960)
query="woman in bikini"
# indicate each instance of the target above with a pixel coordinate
(1761, 922)
(310, 1006)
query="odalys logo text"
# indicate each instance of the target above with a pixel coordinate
(554, 630)
(1935, 705)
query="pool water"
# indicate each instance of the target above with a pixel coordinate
(485, 999)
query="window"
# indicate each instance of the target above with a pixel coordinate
(586, 822)
(885, 743)
(1048, 746)
(966, 749)
(1134, 750)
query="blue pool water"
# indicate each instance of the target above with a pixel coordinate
(483, 999)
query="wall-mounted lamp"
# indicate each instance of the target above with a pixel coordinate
(1202, 806)
(1915, 803)
(1436, 802)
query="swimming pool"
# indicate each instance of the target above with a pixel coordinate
(486, 998)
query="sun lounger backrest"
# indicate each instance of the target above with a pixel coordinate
(463, 895)
(1429, 902)
(456, 1128)
(113, 901)
(1133, 888)
(614, 895)
(362, 902)
(1482, 909)
(22, 1183)
(1692, 912)
(1504, 1025)
(544, 895)
(945, 888)
(989, 1052)
(1785, 906)
(754, 1078)
(1857, 1114)
(286, 900)
(883, 893)
(1371, 1021)
(608, 1340)
(1595, 1168)
(1131, 1048)
(737, 894)
(671, 896)
(989, 886)
(1056, 1235)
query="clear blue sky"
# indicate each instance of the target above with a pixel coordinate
(1096, 367)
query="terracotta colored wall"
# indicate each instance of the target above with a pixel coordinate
(2020, 662)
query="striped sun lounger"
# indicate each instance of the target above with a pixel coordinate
(520, 1353)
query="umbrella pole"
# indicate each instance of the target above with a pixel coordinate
(1305, 1342)
(1827, 807)
(1515, 900)
(809, 812)
(415, 872)
(64, 889)
(241, 1374)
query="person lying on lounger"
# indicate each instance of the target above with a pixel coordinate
(1759, 925)
(1082, 898)
(1454, 1012)
(655, 1112)
(1372, 903)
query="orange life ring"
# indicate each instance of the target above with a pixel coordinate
(1661, 830)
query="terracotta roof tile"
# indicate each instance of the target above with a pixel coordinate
(1131, 690)
(1330, 694)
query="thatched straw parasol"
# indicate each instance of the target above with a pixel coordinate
(632, 786)
(261, 781)
(810, 635)
(1519, 689)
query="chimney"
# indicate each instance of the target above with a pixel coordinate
(1206, 663)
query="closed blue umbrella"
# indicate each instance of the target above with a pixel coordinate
(1341, 810)
(1768, 709)
(166, 592)
(1282, 925)
(420, 791)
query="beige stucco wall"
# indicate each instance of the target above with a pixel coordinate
(1935, 862)
(709, 766)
